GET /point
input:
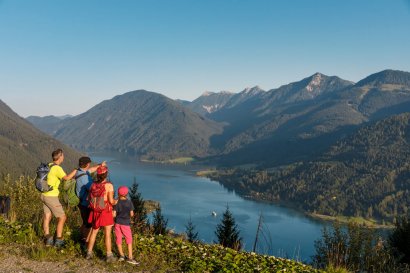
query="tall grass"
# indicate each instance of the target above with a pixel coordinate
(156, 253)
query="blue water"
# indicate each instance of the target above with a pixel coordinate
(286, 232)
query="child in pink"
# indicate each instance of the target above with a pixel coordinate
(123, 211)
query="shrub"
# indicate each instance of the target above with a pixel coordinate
(353, 248)
(25, 199)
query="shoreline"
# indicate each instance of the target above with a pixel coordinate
(368, 223)
(176, 161)
(347, 219)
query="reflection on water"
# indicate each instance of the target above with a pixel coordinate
(182, 195)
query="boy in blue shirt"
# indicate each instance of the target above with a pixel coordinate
(83, 183)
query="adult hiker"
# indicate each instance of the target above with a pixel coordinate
(51, 203)
(83, 183)
(101, 198)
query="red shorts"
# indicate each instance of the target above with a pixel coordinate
(121, 230)
(101, 219)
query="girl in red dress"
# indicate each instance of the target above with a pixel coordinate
(101, 198)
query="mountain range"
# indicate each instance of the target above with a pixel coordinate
(286, 124)
(23, 147)
(294, 122)
(140, 123)
(327, 145)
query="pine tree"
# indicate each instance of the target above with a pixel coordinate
(227, 231)
(399, 240)
(191, 234)
(140, 213)
(159, 222)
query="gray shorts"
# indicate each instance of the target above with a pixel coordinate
(51, 204)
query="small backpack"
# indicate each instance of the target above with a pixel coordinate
(96, 197)
(70, 196)
(69, 193)
(41, 178)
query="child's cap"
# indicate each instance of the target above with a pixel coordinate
(102, 169)
(123, 191)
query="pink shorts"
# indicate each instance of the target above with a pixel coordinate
(123, 230)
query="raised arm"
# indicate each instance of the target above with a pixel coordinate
(94, 168)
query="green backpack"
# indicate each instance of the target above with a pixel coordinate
(69, 193)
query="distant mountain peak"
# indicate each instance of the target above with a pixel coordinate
(252, 90)
(64, 116)
(388, 76)
(210, 93)
(207, 93)
(315, 81)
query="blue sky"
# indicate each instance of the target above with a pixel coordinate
(63, 57)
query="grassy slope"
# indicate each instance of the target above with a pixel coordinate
(156, 253)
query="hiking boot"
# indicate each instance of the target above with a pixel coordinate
(121, 258)
(49, 240)
(59, 243)
(110, 259)
(132, 261)
(89, 256)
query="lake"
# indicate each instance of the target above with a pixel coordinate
(182, 194)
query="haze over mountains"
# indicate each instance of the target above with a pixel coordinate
(293, 122)
(48, 124)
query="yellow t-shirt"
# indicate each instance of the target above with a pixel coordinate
(54, 178)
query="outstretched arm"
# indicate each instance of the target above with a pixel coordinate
(94, 168)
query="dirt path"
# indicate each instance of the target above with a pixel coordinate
(12, 262)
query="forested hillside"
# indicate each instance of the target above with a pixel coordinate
(141, 123)
(367, 174)
(23, 147)
(301, 120)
